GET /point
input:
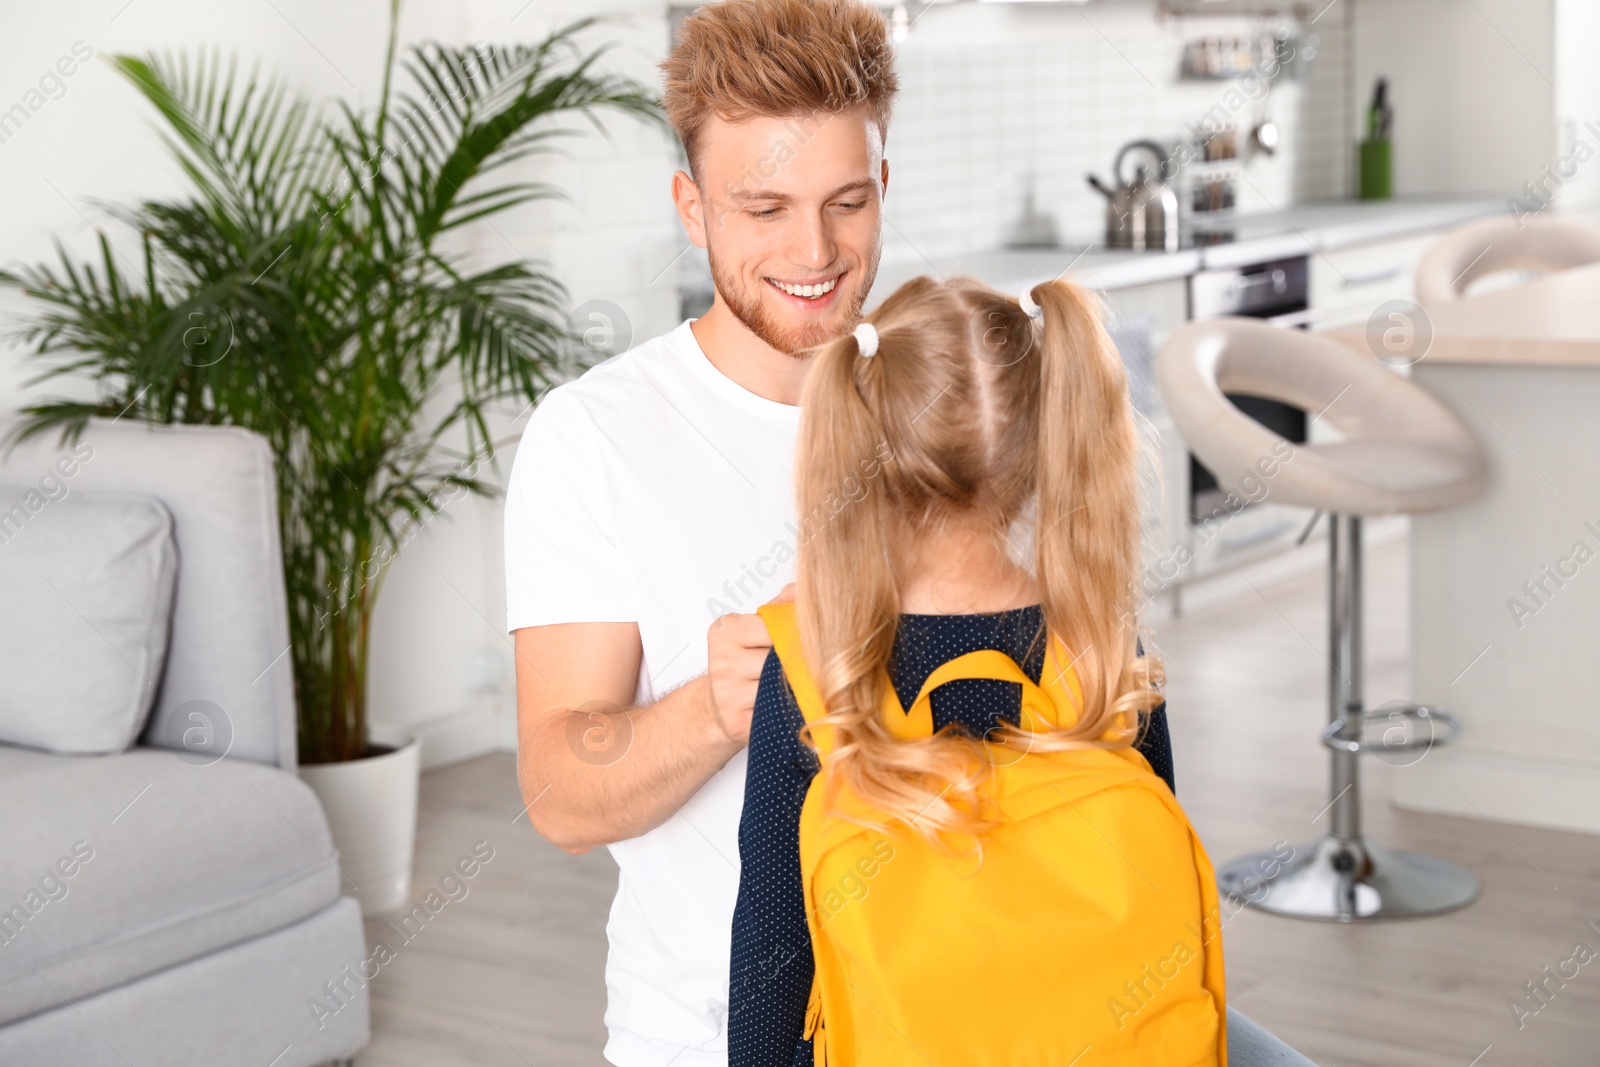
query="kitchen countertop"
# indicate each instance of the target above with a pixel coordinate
(1011, 268)
(1299, 230)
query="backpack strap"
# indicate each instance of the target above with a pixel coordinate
(783, 623)
(1051, 702)
(1043, 703)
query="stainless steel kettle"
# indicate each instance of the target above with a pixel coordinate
(1142, 214)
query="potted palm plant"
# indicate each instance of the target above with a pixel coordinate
(307, 286)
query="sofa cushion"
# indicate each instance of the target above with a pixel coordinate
(112, 867)
(17, 762)
(86, 585)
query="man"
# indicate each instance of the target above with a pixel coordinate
(650, 507)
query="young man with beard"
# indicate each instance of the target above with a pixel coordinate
(650, 508)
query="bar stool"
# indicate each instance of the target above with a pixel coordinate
(1462, 256)
(1403, 451)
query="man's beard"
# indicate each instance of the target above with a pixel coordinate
(749, 309)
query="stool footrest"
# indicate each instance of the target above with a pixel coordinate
(1427, 727)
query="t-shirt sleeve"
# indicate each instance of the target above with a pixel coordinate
(769, 981)
(562, 560)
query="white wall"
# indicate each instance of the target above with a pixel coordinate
(1577, 78)
(1472, 85)
(440, 618)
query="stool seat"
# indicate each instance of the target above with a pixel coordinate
(1381, 477)
(1459, 258)
(1402, 450)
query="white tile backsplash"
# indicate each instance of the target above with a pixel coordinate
(991, 94)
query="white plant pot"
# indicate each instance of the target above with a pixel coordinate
(372, 811)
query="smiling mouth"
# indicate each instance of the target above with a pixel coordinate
(810, 291)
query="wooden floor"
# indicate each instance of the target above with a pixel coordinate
(512, 974)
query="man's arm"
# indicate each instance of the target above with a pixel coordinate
(592, 769)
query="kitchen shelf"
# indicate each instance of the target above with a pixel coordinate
(1240, 76)
(1294, 9)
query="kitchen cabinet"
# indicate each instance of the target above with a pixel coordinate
(1167, 302)
(1349, 284)
(1139, 318)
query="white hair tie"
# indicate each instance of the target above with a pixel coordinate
(1029, 307)
(867, 338)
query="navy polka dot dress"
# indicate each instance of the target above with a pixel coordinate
(770, 974)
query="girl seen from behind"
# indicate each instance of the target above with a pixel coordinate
(960, 843)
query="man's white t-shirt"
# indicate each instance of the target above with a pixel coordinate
(655, 490)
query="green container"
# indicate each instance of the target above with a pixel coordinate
(1375, 173)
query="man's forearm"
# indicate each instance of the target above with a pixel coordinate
(595, 774)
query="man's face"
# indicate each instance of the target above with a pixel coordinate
(790, 214)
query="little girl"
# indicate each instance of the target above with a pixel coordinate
(966, 480)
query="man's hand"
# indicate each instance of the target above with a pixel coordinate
(736, 650)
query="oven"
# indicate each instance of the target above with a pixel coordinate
(1277, 291)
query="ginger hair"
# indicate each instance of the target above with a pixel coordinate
(741, 59)
(992, 417)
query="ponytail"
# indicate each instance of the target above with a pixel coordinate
(1086, 514)
(841, 527)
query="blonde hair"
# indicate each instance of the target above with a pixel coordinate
(988, 415)
(776, 58)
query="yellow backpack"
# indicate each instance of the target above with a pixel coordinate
(1089, 934)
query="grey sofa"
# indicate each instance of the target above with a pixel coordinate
(177, 903)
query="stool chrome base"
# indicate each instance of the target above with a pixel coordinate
(1343, 877)
(1349, 881)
